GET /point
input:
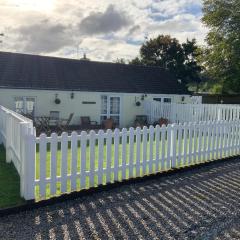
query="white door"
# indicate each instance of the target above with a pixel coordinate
(110, 108)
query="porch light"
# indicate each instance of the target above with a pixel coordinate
(72, 95)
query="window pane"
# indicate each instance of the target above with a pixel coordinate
(19, 105)
(30, 104)
(167, 100)
(54, 115)
(157, 99)
(103, 104)
(114, 105)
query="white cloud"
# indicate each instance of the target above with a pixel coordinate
(120, 26)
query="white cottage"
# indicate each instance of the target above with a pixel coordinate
(39, 85)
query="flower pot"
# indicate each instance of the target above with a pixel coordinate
(108, 123)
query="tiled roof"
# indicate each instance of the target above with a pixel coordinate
(40, 72)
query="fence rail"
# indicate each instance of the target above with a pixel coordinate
(180, 113)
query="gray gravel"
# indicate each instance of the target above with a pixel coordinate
(196, 204)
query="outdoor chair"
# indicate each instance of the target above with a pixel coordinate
(86, 123)
(63, 124)
(141, 121)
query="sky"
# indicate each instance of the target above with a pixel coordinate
(103, 29)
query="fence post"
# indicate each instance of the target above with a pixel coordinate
(8, 137)
(28, 154)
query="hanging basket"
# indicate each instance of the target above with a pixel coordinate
(138, 104)
(57, 101)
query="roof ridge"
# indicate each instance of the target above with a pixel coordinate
(81, 60)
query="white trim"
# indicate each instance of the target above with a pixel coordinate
(108, 106)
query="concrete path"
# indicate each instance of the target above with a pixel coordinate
(195, 204)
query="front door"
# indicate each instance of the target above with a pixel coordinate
(110, 108)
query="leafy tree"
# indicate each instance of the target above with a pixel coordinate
(121, 61)
(222, 56)
(168, 53)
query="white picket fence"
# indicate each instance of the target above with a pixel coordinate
(180, 113)
(13, 127)
(72, 163)
(51, 166)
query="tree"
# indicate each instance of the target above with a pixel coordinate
(121, 61)
(168, 53)
(222, 56)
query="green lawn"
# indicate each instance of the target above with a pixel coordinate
(9, 183)
(9, 180)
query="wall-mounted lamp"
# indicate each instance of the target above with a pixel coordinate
(143, 96)
(137, 102)
(72, 95)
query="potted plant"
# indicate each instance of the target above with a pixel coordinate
(108, 123)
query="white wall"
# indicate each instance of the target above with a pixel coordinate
(45, 103)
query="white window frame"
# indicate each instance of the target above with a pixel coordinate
(108, 114)
(162, 98)
(24, 98)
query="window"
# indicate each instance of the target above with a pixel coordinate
(163, 99)
(167, 100)
(30, 102)
(25, 105)
(19, 105)
(103, 104)
(157, 99)
(110, 108)
(54, 115)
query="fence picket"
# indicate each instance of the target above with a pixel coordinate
(138, 149)
(100, 156)
(144, 150)
(151, 139)
(163, 147)
(42, 163)
(74, 154)
(54, 146)
(131, 151)
(109, 155)
(83, 143)
(169, 146)
(174, 145)
(157, 144)
(179, 144)
(185, 143)
(116, 154)
(124, 151)
(92, 146)
(64, 162)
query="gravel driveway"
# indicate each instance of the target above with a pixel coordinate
(195, 204)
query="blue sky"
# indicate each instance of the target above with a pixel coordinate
(104, 29)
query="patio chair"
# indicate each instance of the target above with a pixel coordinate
(63, 124)
(86, 123)
(141, 121)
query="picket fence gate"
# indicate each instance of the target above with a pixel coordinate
(180, 113)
